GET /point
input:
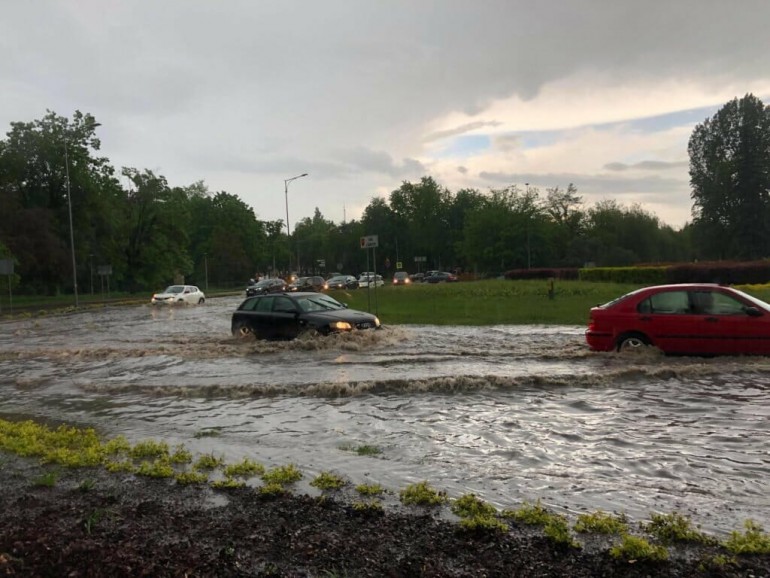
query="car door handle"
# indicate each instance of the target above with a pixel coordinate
(712, 319)
(645, 318)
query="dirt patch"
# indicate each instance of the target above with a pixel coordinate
(92, 523)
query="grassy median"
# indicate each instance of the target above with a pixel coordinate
(490, 302)
(484, 302)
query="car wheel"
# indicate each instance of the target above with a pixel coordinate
(242, 331)
(632, 342)
(201, 301)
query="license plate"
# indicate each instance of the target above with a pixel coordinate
(364, 325)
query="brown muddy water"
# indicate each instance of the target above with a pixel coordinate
(511, 413)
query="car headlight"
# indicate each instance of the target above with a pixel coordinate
(341, 326)
(376, 321)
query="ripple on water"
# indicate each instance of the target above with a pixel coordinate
(510, 413)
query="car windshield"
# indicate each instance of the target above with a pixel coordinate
(337, 279)
(174, 289)
(319, 303)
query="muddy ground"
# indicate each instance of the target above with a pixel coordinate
(93, 523)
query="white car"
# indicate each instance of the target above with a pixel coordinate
(370, 278)
(179, 294)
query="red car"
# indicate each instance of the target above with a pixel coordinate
(695, 319)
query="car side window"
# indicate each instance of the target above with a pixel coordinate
(264, 304)
(725, 305)
(670, 303)
(644, 306)
(249, 305)
(283, 305)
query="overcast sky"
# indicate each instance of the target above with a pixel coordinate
(364, 95)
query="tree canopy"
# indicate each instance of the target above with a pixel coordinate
(151, 233)
(730, 178)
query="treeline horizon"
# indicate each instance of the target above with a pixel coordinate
(151, 234)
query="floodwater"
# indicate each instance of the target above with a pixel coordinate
(511, 413)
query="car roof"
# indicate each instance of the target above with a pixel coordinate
(685, 286)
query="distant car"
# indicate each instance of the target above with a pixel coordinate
(401, 278)
(179, 294)
(296, 284)
(440, 277)
(417, 277)
(695, 319)
(315, 283)
(370, 279)
(289, 315)
(342, 282)
(273, 285)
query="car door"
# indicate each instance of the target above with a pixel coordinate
(260, 317)
(285, 317)
(726, 325)
(670, 322)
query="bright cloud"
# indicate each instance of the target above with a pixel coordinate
(364, 95)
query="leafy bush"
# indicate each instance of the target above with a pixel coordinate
(422, 494)
(328, 481)
(635, 275)
(634, 548)
(469, 506)
(601, 523)
(670, 528)
(753, 541)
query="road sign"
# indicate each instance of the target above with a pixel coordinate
(399, 265)
(421, 259)
(369, 242)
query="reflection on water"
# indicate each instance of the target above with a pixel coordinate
(510, 413)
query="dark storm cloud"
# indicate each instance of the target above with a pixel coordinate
(244, 94)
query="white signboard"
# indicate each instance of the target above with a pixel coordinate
(369, 242)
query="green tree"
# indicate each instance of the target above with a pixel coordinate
(45, 164)
(618, 235)
(421, 215)
(564, 210)
(730, 178)
(506, 232)
(379, 219)
(312, 243)
(156, 231)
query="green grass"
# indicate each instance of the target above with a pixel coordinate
(484, 302)
(489, 302)
(493, 302)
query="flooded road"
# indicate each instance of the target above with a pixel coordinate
(511, 413)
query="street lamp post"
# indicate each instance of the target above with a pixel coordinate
(91, 263)
(286, 192)
(206, 269)
(529, 218)
(72, 232)
(288, 230)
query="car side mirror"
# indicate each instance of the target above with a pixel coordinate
(345, 305)
(753, 311)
